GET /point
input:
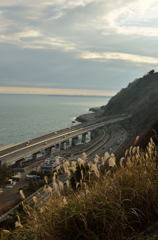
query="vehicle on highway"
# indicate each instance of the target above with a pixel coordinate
(28, 157)
(31, 176)
(27, 143)
(18, 176)
(9, 186)
(10, 183)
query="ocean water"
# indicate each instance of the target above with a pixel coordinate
(26, 116)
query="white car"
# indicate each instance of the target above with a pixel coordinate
(27, 143)
(1, 190)
(9, 186)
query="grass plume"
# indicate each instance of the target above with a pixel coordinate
(113, 205)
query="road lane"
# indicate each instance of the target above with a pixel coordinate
(22, 152)
(107, 139)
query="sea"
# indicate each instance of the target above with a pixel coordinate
(24, 117)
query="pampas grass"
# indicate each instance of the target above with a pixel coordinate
(111, 205)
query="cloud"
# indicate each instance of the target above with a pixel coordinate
(71, 25)
(118, 56)
(50, 43)
(28, 34)
(137, 18)
(72, 43)
(33, 39)
(139, 31)
(74, 22)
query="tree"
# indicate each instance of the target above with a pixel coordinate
(151, 72)
(5, 173)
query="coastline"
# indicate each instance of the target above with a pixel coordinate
(94, 114)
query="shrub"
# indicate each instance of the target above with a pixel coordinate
(114, 205)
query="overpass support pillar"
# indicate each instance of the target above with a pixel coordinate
(62, 146)
(84, 137)
(53, 148)
(67, 143)
(89, 135)
(93, 134)
(74, 141)
(19, 162)
(57, 146)
(48, 151)
(34, 156)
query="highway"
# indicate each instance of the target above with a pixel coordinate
(10, 197)
(7, 149)
(12, 154)
(95, 147)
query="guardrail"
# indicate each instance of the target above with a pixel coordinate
(34, 148)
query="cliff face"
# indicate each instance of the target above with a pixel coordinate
(139, 99)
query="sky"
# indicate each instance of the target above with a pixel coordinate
(93, 45)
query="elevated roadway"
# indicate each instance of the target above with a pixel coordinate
(17, 152)
(91, 150)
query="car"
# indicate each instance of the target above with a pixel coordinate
(14, 183)
(9, 186)
(1, 190)
(27, 143)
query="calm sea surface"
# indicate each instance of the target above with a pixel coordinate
(27, 116)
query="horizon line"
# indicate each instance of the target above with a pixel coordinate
(56, 91)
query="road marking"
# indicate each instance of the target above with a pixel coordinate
(53, 138)
(88, 128)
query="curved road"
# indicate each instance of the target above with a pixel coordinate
(19, 151)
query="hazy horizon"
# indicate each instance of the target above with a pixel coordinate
(54, 92)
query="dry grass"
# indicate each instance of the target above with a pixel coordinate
(109, 202)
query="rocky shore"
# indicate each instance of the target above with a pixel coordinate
(95, 113)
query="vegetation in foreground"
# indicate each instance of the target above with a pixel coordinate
(109, 202)
(5, 173)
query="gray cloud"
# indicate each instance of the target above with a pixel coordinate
(76, 44)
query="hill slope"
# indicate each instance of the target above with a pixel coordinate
(139, 99)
